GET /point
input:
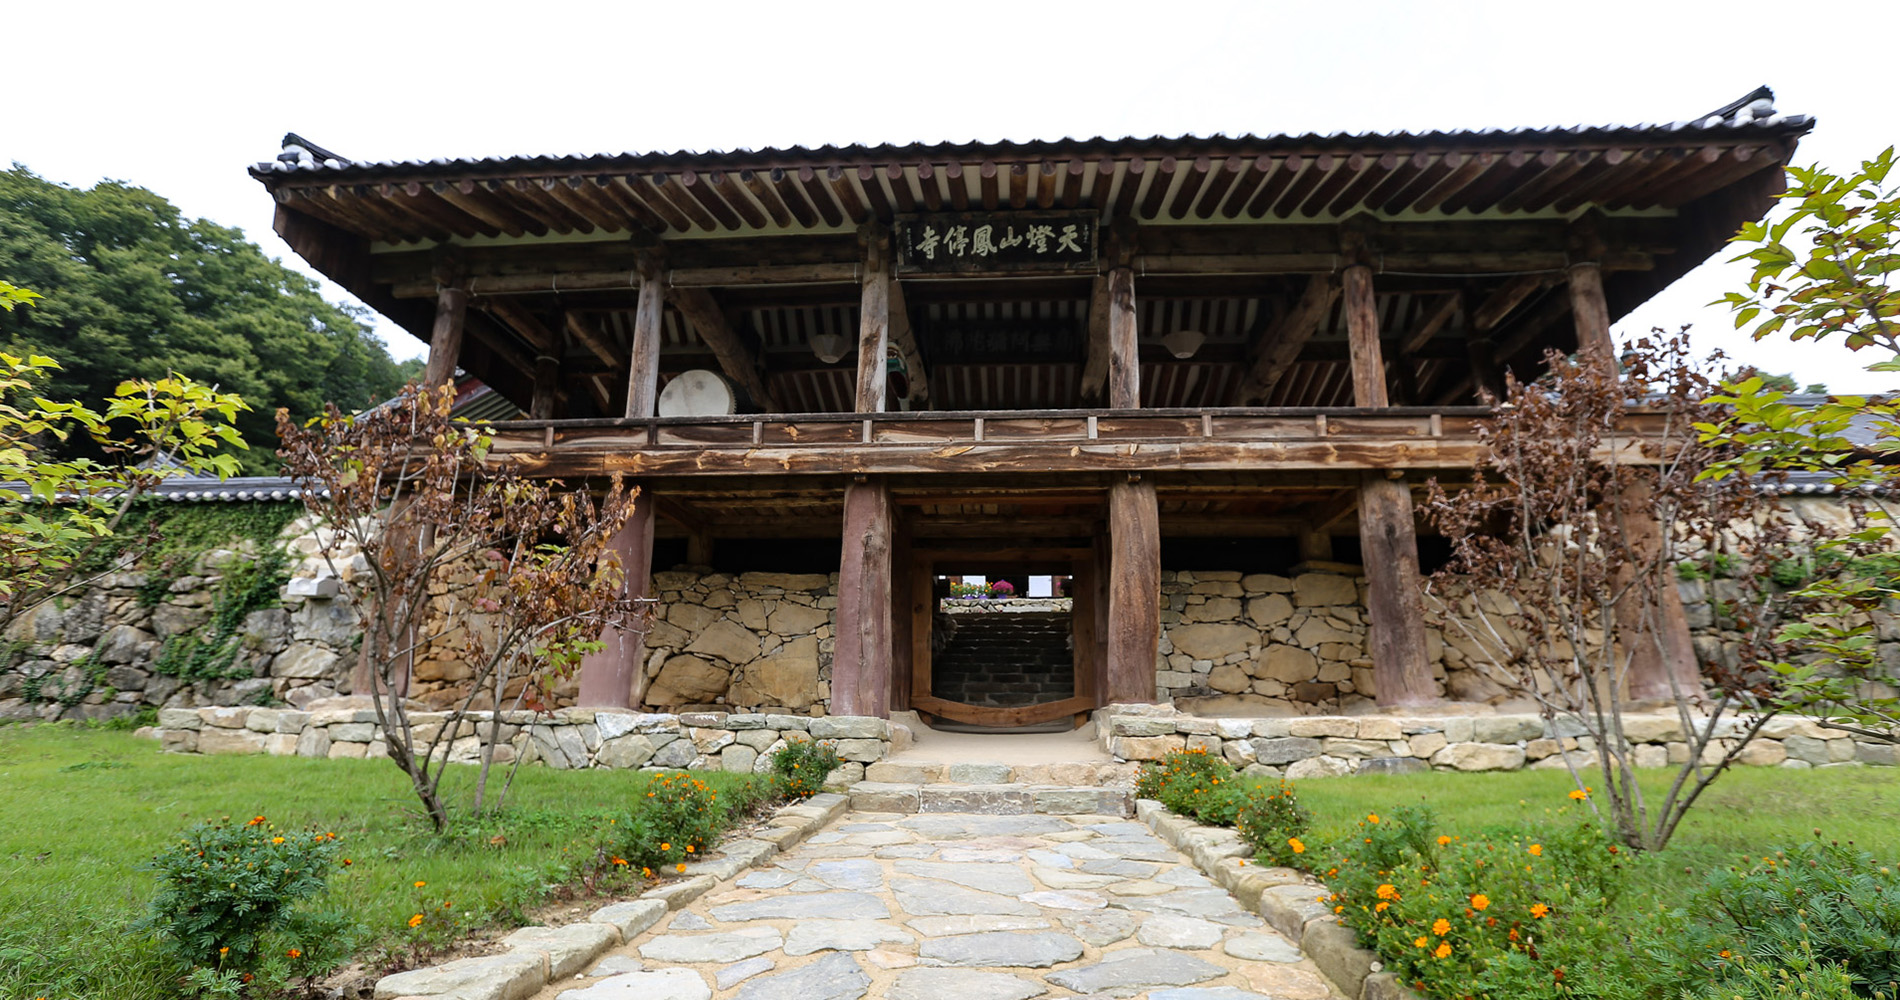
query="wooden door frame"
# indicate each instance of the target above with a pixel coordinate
(1085, 571)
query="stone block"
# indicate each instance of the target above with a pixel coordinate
(509, 976)
(178, 740)
(1284, 750)
(738, 759)
(624, 752)
(1213, 641)
(632, 918)
(1506, 728)
(179, 718)
(1353, 749)
(1376, 728)
(305, 661)
(1324, 726)
(1139, 725)
(864, 751)
(1391, 765)
(1320, 589)
(313, 742)
(787, 722)
(979, 774)
(229, 741)
(1768, 753)
(567, 948)
(1807, 748)
(225, 718)
(1480, 757)
(988, 800)
(839, 727)
(1287, 908)
(1877, 753)
(350, 751)
(1270, 610)
(1335, 949)
(1318, 767)
(1144, 747)
(890, 797)
(1654, 728)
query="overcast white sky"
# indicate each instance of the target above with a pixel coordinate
(181, 97)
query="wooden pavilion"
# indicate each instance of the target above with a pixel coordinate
(1060, 354)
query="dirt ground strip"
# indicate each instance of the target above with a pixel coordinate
(939, 906)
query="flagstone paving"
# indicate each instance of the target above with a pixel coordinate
(961, 907)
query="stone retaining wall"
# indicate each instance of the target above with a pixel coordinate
(1322, 746)
(567, 738)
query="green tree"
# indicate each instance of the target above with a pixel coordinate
(134, 290)
(1825, 270)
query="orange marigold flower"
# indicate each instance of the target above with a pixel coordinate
(420, 884)
(1480, 901)
(1441, 927)
(666, 845)
(347, 862)
(1722, 954)
(1443, 950)
(1540, 911)
(226, 950)
(256, 821)
(1537, 850)
(1372, 818)
(1298, 847)
(1421, 941)
(680, 867)
(620, 861)
(277, 840)
(294, 953)
(1383, 903)
(1443, 840)
(1513, 934)
(648, 872)
(416, 920)
(689, 848)
(1578, 794)
(1388, 891)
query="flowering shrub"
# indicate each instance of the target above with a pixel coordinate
(801, 767)
(1002, 590)
(968, 591)
(1192, 783)
(1272, 822)
(675, 816)
(223, 886)
(1503, 914)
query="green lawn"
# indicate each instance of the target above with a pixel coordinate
(82, 810)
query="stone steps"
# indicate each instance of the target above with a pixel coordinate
(992, 800)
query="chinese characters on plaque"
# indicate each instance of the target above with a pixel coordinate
(1001, 241)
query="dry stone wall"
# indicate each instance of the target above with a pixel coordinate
(1325, 746)
(748, 642)
(564, 739)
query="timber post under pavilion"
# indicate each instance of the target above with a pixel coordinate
(1064, 357)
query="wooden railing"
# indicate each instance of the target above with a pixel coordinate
(1253, 438)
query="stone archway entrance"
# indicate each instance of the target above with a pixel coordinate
(1013, 663)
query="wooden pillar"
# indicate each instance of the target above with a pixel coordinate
(445, 338)
(861, 659)
(1134, 591)
(1316, 546)
(547, 378)
(643, 366)
(1124, 344)
(874, 322)
(1387, 537)
(609, 674)
(1659, 633)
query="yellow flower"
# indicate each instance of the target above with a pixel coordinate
(1578, 794)
(1421, 941)
(226, 950)
(1722, 954)
(1480, 901)
(1441, 927)
(1443, 950)
(1294, 842)
(666, 845)
(1539, 911)
(1382, 905)
(416, 920)
(1537, 850)
(680, 867)
(1443, 840)
(277, 840)
(420, 884)
(1372, 818)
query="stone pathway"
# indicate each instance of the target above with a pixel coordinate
(961, 907)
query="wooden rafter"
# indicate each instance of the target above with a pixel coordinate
(1279, 346)
(1494, 309)
(736, 358)
(588, 333)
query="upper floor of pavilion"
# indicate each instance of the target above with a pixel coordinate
(1183, 273)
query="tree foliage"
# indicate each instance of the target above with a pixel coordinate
(132, 289)
(461, 549)
(1562, 550)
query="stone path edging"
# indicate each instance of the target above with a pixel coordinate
(1287, 899)
(537, 956)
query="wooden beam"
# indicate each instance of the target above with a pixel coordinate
(1493, 310)
(1388, 546)
(524, 323)
(445, 338)
(740, 363)
(594, 339)
(874, 322)
(1134, 591)
(1362, 334)
(861, 659)
(608, 675)
(1434, 322)
(547, 382)
(1095, 365)
(904, 338)
(1124, 344)
(1279, 346)
(643, 363)
(1587, 304)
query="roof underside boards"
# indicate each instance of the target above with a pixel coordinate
(1229, 227)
